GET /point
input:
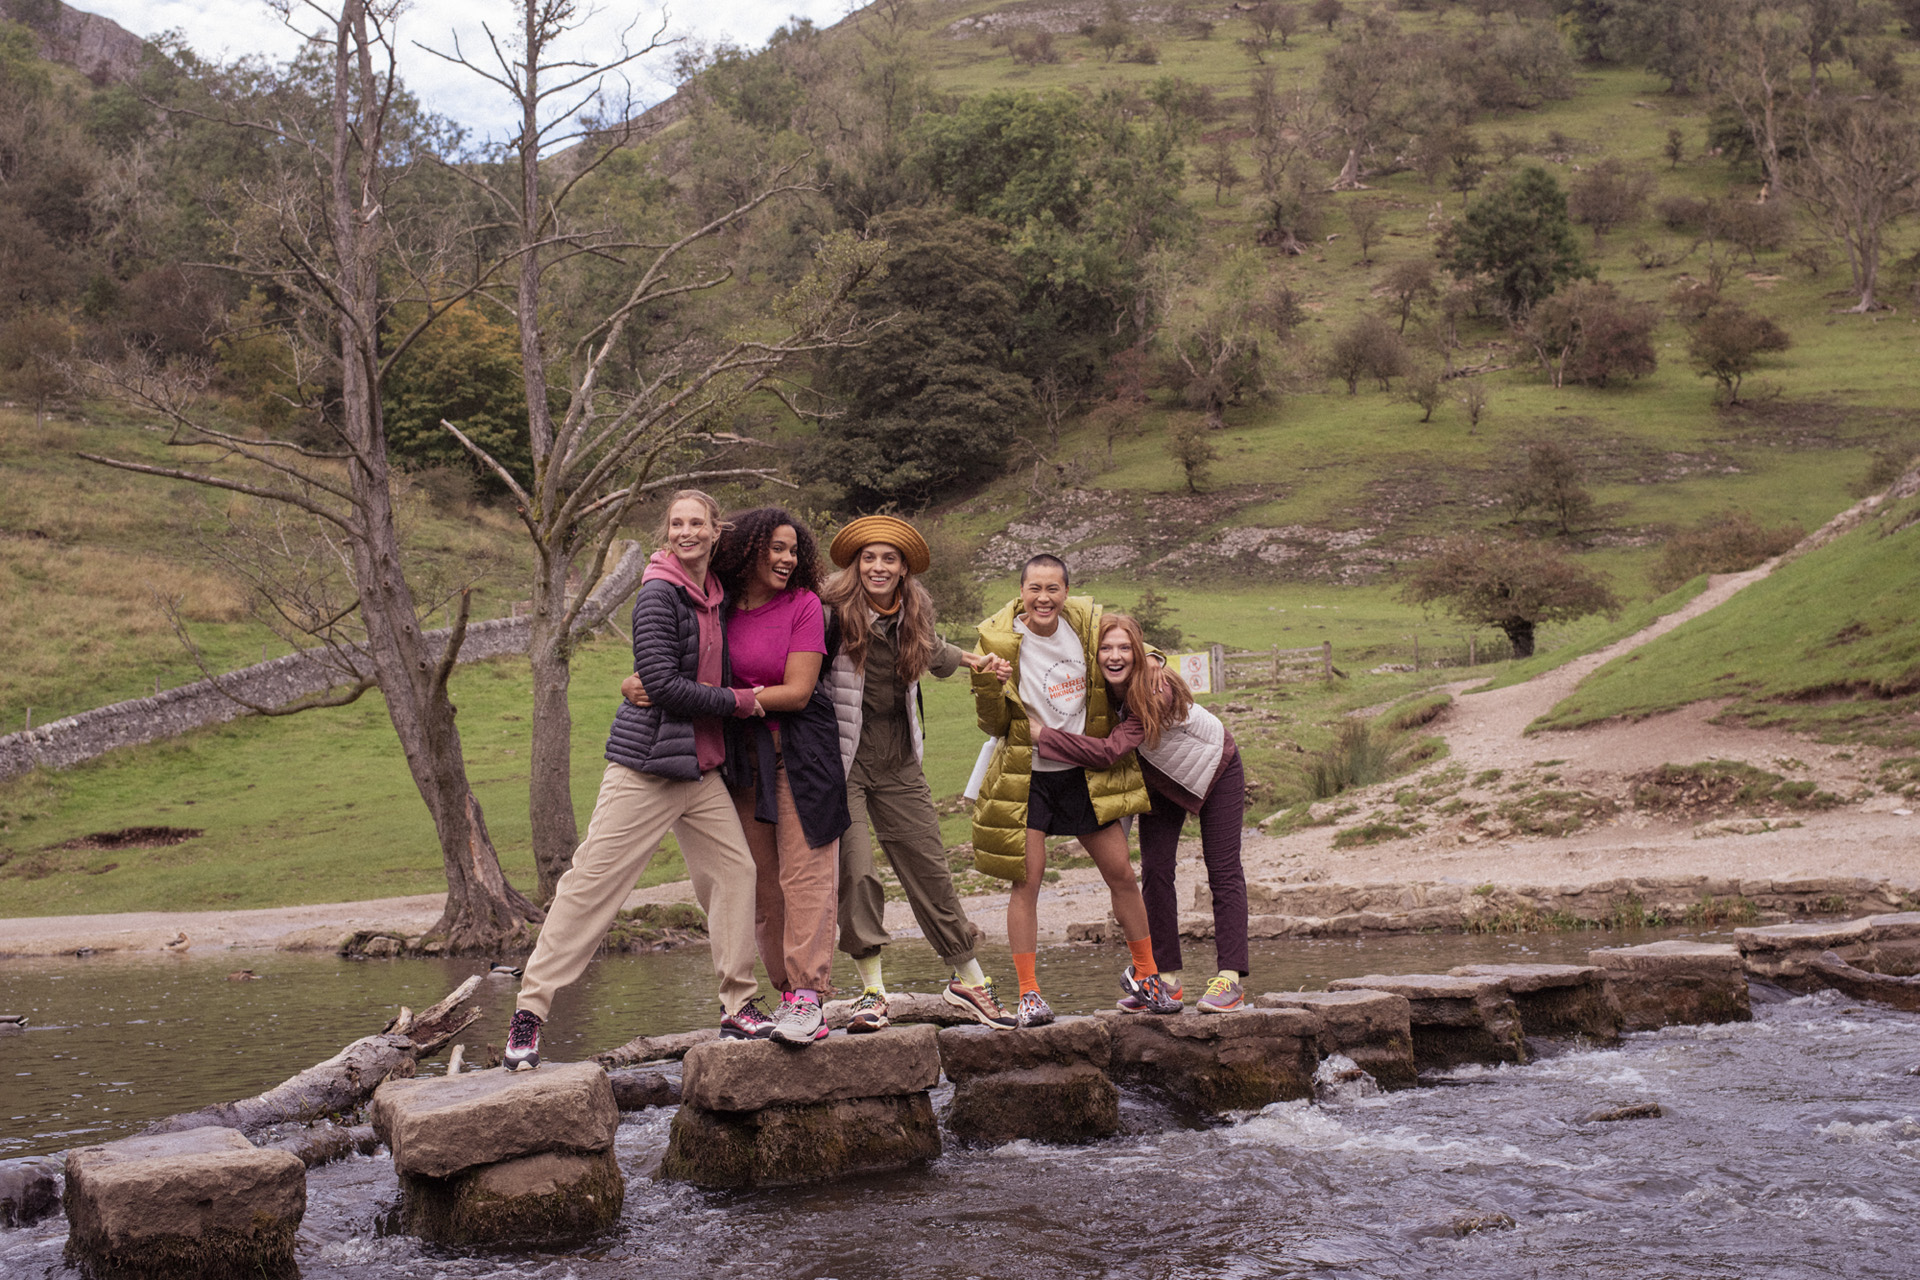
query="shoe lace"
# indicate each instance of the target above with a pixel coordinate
(867, 1000)
(523, 1028)
(1219, 986)
(750, 1014)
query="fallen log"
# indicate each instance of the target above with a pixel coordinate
(1901, 993)
(344, 1082)
(655, 1048)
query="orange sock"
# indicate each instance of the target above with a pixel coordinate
(1143, 966)
(1023, 969)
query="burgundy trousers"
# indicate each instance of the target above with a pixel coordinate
(1222, 816)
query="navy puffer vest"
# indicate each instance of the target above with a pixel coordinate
(666, 653)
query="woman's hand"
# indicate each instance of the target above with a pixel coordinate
(634, 691)
(997, 667)
(757, 708)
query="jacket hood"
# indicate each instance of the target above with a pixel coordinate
(664, 566)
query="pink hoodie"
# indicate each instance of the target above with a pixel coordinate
(708, 743)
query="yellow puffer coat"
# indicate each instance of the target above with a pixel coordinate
(1000, 814)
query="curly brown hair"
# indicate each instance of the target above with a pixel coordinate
(744, 540)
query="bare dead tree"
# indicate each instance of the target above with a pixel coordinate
(1858, 167)
(642, 402)
(325, 232)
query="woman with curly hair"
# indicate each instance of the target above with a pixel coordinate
(784, 768)
(887, 642)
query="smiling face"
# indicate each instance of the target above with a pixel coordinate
(778, 561)
(1116, 657)
(881, 567)
(1043, 594)
(691, 535)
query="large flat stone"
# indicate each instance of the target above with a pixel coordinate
(1055, 1102)
(1781, 953)
(29, 1190)
(906, 1008)
(1554, 999)
(812, 1142)
(438, 1126)
(1454, 1018)
(975, 1050)
(549, 1198)
(1374, 1028)
(750, 1075)
(200, 1203)
(1660, 984)
(1218, 1062)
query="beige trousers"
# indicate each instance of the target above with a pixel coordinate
(796, 899)
(634, 811)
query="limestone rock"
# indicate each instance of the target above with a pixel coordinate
(29, 1190)
(551, 1197)
(1886, 944)
(1373, 1028)
(966, 1052)
(200, 1203)
(635, 1090)
(438, 1126)
(1660, 984)
(751, 1075)
(1454, 1019)
(904, 1007)
(1218, 1062)
(1055, 1102)
(1554, 999)
(809, 1142)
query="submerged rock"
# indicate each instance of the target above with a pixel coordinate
(29, 1190)
(1632, 1111)
(203, 1203)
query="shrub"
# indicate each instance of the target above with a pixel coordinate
(1727, 344)
(1679, 213)
(1358, 758)
(1551, 482)
(1728, 542)
(1590, 334)
(1367, 348)
(1032, 46)
(1607, 195)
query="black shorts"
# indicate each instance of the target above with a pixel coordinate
(1059, 804)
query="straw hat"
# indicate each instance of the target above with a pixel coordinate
(891, 530)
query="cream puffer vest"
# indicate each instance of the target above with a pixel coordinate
(847, 685)
(1190, 752)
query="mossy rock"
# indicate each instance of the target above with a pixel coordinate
(782, 1145)
(263, 1253)
(553, 1197)
(1065, 1103)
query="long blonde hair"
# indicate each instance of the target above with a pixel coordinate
(915, 642)
(1145, 692)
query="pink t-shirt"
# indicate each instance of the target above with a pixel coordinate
(759, 640)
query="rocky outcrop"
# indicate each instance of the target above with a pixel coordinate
(29, 1190)
(497, 1157)
(99, 48)
(1454, 1020)
(1554, 999)
(1371, 1028)
(1884, 944)
(1219, 1062)
(1044, 1084)
(757, 1114)
(203, 1204)
(1660, 984)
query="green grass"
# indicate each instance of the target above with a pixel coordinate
(1827, 643)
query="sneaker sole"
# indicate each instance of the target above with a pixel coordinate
(867, 1028)
(797, 1042)
(531, 1065)
(975, 1012)
(1222, 1008)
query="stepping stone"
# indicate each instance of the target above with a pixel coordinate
(1045, 1084)
(1218, 1062)
(1373, 1028)
(200, 1203)
(1660, 984)
(1782, 953)
(500, 1157)
(29, 1190)
(1554, 999)
(1454, 1019)
(759, 1114)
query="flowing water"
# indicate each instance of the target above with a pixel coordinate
(1789, 1146)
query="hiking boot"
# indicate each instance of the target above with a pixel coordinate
(746, 1023)
(869, 1013)
(979, 1004)
(523, 1042)
(1223, 995)
(1034, 1011)
(799, 1022)
(1153, 994)
(1133, 1004)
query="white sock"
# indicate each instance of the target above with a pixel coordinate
(870, 979)
(971, 974)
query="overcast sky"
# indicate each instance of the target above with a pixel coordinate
(224, 29)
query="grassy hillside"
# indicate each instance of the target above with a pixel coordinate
(1828, 643)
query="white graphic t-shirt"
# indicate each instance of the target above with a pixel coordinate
(1053, 683)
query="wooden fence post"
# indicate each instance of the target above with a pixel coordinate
(1326, 658)
(1416, 653)
(1470, 654)
(1217, 667)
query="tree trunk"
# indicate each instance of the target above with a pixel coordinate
(550, 776)
(1520, 632)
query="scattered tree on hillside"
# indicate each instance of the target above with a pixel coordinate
(1190, 443)
(1473, 400)
(466, 368)
(1328, 12)
(1218, 167)
(1364, 216)
(1858, 166)
(1518, 235)
(1409, 282)
(1607, 195)
(1588, 333)
(1726, 345)
(1155, 615)
(1423, 390)
(1112, 33)
(1515, 586)
(1362, 81)
(1675, 148)
(1367, 348)
(950, 580)
(34, 348)
(1552, 481)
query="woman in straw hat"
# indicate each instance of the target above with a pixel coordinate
(886, 643)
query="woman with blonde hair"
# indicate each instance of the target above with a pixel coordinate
(1192, 768)
(887, 641)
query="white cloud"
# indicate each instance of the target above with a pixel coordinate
(225, 29)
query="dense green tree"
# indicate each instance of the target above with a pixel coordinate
(933, 399)
(1519, 236)
(466, 370)
(1515, 586)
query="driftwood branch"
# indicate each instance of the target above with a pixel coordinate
(1901, 993)
(655, 1048)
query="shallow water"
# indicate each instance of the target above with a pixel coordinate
(1790, 1148)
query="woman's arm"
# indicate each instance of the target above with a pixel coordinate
(990, 706)
(1088, 752)
(796, 686)
(656, 652)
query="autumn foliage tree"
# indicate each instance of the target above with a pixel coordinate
(1515, 586)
